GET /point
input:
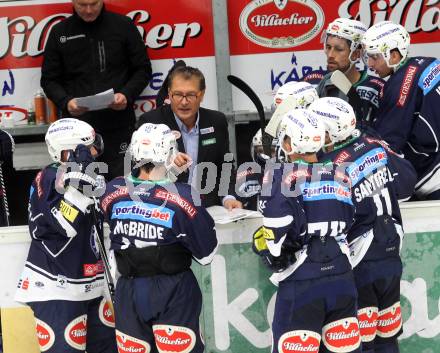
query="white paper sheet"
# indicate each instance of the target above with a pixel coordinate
(98, 101)
(222, 216)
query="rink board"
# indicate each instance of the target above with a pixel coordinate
(238, 297)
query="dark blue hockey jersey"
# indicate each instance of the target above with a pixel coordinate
(63, 261)
(248, 184)
(369, 88)
(145, 214)
(314, 77)
(248, 188)
(408, 117)
(380, 178)
(306, 202)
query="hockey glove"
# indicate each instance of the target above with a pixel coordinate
(259, 246)
(78, 174)
(82, 156)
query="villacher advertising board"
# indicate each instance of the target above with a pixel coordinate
(183, 31)
(282, 38)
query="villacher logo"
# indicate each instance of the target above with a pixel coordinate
(281, 24)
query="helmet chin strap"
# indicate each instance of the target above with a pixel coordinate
(349, 67)
(328, 144)
(394, 67)
(352, 62)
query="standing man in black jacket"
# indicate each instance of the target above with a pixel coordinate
(90, 52)
(204, 143)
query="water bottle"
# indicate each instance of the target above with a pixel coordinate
(40, 107)
(31, 115)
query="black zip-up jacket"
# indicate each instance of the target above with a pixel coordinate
(82, 59)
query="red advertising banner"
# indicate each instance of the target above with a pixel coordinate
(268, 26)
(170, 28)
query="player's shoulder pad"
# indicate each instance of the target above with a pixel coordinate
(373, 81)
(314, 77)
(115, 189)
(46, 179)
(292, 173)
(381, 143)
(179, 196)
(50, 173)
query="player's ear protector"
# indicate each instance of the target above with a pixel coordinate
(98, 144)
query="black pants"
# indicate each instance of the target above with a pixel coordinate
(64, 326)
(159, 313)
(116, 143)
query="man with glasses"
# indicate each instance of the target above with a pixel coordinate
(204, 146)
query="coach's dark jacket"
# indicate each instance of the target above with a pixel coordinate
(213, 145)
(85, 58)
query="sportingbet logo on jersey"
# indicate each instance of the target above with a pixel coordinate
(368, 162)
(139, 211)
(326, 190)
(430, 77)
(281, 24)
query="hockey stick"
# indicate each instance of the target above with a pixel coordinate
(5, 205)
(287, 104)
(100, 242)
(345, 86)
(244, 87)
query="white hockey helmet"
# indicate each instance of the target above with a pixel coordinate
(66, 134)
(257, 146)
(154, 143)
(385, 36)
(257, 140)
(337, 115)
(348, 29)
(303, 92)
(306, 132)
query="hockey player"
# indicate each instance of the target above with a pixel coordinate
(380, 178)
(303, 92)
(63, 280)
(249, 181)
(408, 117)
(155, 231)
(342, 46)
(303, 241)
(248, 185)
